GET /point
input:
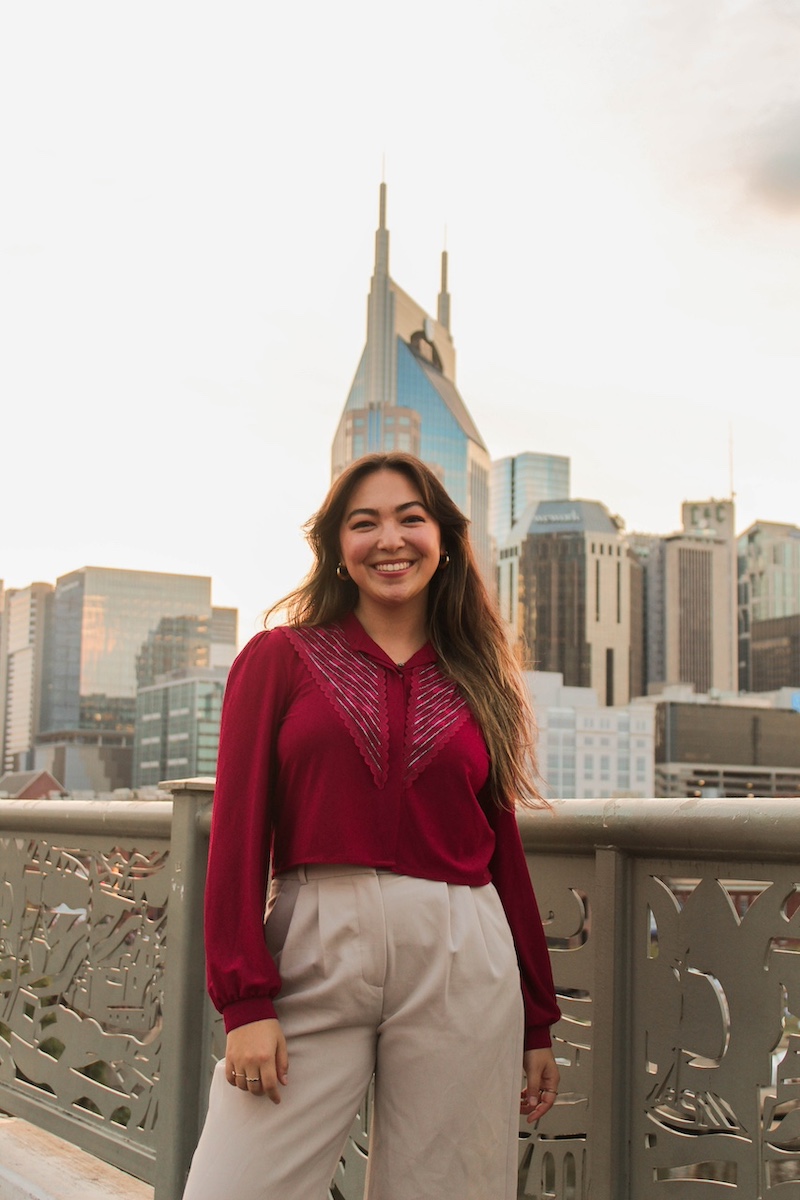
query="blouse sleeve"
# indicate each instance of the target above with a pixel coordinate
(242, 977)
(513, 883)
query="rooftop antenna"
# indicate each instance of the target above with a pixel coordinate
(730, 459)
(443, 303)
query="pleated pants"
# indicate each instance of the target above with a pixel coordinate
(412, 979)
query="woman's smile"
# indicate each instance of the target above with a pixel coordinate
(389, 542)
(391, 567)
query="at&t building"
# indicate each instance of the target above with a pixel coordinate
(404, 395)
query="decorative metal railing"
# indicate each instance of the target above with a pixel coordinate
(675, 938)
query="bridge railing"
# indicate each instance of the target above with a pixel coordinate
(675, 940)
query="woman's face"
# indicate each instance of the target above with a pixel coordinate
(389, 542)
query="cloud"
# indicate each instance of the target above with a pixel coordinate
(775, 161)
(710, 92)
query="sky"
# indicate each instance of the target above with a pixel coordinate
(187, 217)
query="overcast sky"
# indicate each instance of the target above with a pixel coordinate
(188, 207)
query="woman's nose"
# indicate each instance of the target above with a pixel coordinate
(391, 536)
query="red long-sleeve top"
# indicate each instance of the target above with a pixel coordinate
(330, 752)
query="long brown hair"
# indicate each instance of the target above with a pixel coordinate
(463, 624)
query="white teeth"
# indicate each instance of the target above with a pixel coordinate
(401, 566)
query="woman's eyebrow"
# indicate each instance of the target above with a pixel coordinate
(373, 512)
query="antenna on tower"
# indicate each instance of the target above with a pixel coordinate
(730, 459)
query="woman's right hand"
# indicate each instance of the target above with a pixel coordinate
(256, 1059)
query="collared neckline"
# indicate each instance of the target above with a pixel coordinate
(360, 640)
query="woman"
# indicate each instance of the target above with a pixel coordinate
(375, 747)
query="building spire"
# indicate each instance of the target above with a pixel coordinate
(381, 348)
(443, 309)
(382, 238)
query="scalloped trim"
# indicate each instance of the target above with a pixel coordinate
(355, 687)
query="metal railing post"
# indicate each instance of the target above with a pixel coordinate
(611, 1082)
(181, 1102)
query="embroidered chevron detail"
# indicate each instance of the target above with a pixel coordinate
(437, 709)
(356, 688)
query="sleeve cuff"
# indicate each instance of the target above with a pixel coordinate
(537, 1039)
(244, 1012)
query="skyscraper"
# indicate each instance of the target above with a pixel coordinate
(404, 396)
(769, 590)
(181, 674)
(102, 621)
(177, 725)
(690, 599)
(22, 647)
(521, 480)
(565, 590)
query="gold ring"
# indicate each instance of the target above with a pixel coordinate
(256, 1080)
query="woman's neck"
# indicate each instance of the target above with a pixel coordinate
(399, 633)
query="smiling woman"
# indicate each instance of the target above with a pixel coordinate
(376, 746)
(391, 547)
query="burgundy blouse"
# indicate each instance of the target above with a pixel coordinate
(331, 753)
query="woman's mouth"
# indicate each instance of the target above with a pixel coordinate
(390, 567)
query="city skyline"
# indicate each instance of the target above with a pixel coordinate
(185, 273)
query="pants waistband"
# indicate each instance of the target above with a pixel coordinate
(309, 871)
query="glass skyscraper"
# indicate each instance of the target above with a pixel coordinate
(404, 395)
(521, 480)
(102, 621)
(177, 726)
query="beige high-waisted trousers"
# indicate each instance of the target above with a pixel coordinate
(413, 979)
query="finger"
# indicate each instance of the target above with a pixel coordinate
(271, 1088)
(537, 1105)
(253, 1082)
(235, 1078)
(282, 1064)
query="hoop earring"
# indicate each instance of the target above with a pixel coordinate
(444, 560)
(341, 571)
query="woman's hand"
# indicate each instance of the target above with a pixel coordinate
(542, 1078)
(256, 1059)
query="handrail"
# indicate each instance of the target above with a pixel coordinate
(128, 818)
(740, 829)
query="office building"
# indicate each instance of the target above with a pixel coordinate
(177, 726)
(564, 587)
(689, 625)
(176, 644)
(103, 622)
(769, 590)
(224, 636)
(23, 626)
(705, 747)
(178, 707)
(585, 750)
(774, 654)
(404, 395)
(521, 480)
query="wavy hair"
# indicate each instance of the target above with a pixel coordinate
(464, 626)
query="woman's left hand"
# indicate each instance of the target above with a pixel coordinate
(542, 1078)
